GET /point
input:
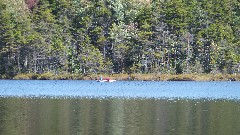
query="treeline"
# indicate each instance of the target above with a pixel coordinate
(119, 36)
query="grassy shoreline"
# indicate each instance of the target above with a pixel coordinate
(139, 77)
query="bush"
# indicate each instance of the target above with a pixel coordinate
(46, 76)
(69, 77)
(233, 77)
(21, 77)
(4, 76)
(181, 77)
(32, 76)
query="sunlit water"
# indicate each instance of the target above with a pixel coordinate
(119, 108)
(124, 89)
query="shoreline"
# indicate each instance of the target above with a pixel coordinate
(126, 77)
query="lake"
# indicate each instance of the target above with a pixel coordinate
(67, 107)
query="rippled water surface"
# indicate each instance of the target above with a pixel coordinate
(119, 108)
(126, 89)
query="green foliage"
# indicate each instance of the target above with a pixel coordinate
(123, 36)
(26, 76)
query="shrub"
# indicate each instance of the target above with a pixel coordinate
(181, 77)
(21, 77)
(69, 77)
(46, 76)
(32, 76)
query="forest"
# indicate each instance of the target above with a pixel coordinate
(119, 36)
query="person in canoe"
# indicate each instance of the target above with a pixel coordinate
(108, 79)
(101, 79)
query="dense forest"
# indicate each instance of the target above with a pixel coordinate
(119, 36)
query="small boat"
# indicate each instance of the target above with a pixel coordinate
(106, 80)
(101, 80)
(112, 81)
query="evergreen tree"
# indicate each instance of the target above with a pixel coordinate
(105, 36)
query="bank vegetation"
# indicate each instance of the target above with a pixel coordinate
(152, 39)
(129, 77)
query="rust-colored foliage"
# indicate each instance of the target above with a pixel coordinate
(31, 3)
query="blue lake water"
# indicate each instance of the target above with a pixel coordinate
(123, 89)
(67, 107)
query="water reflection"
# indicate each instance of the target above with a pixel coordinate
(114, 116)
